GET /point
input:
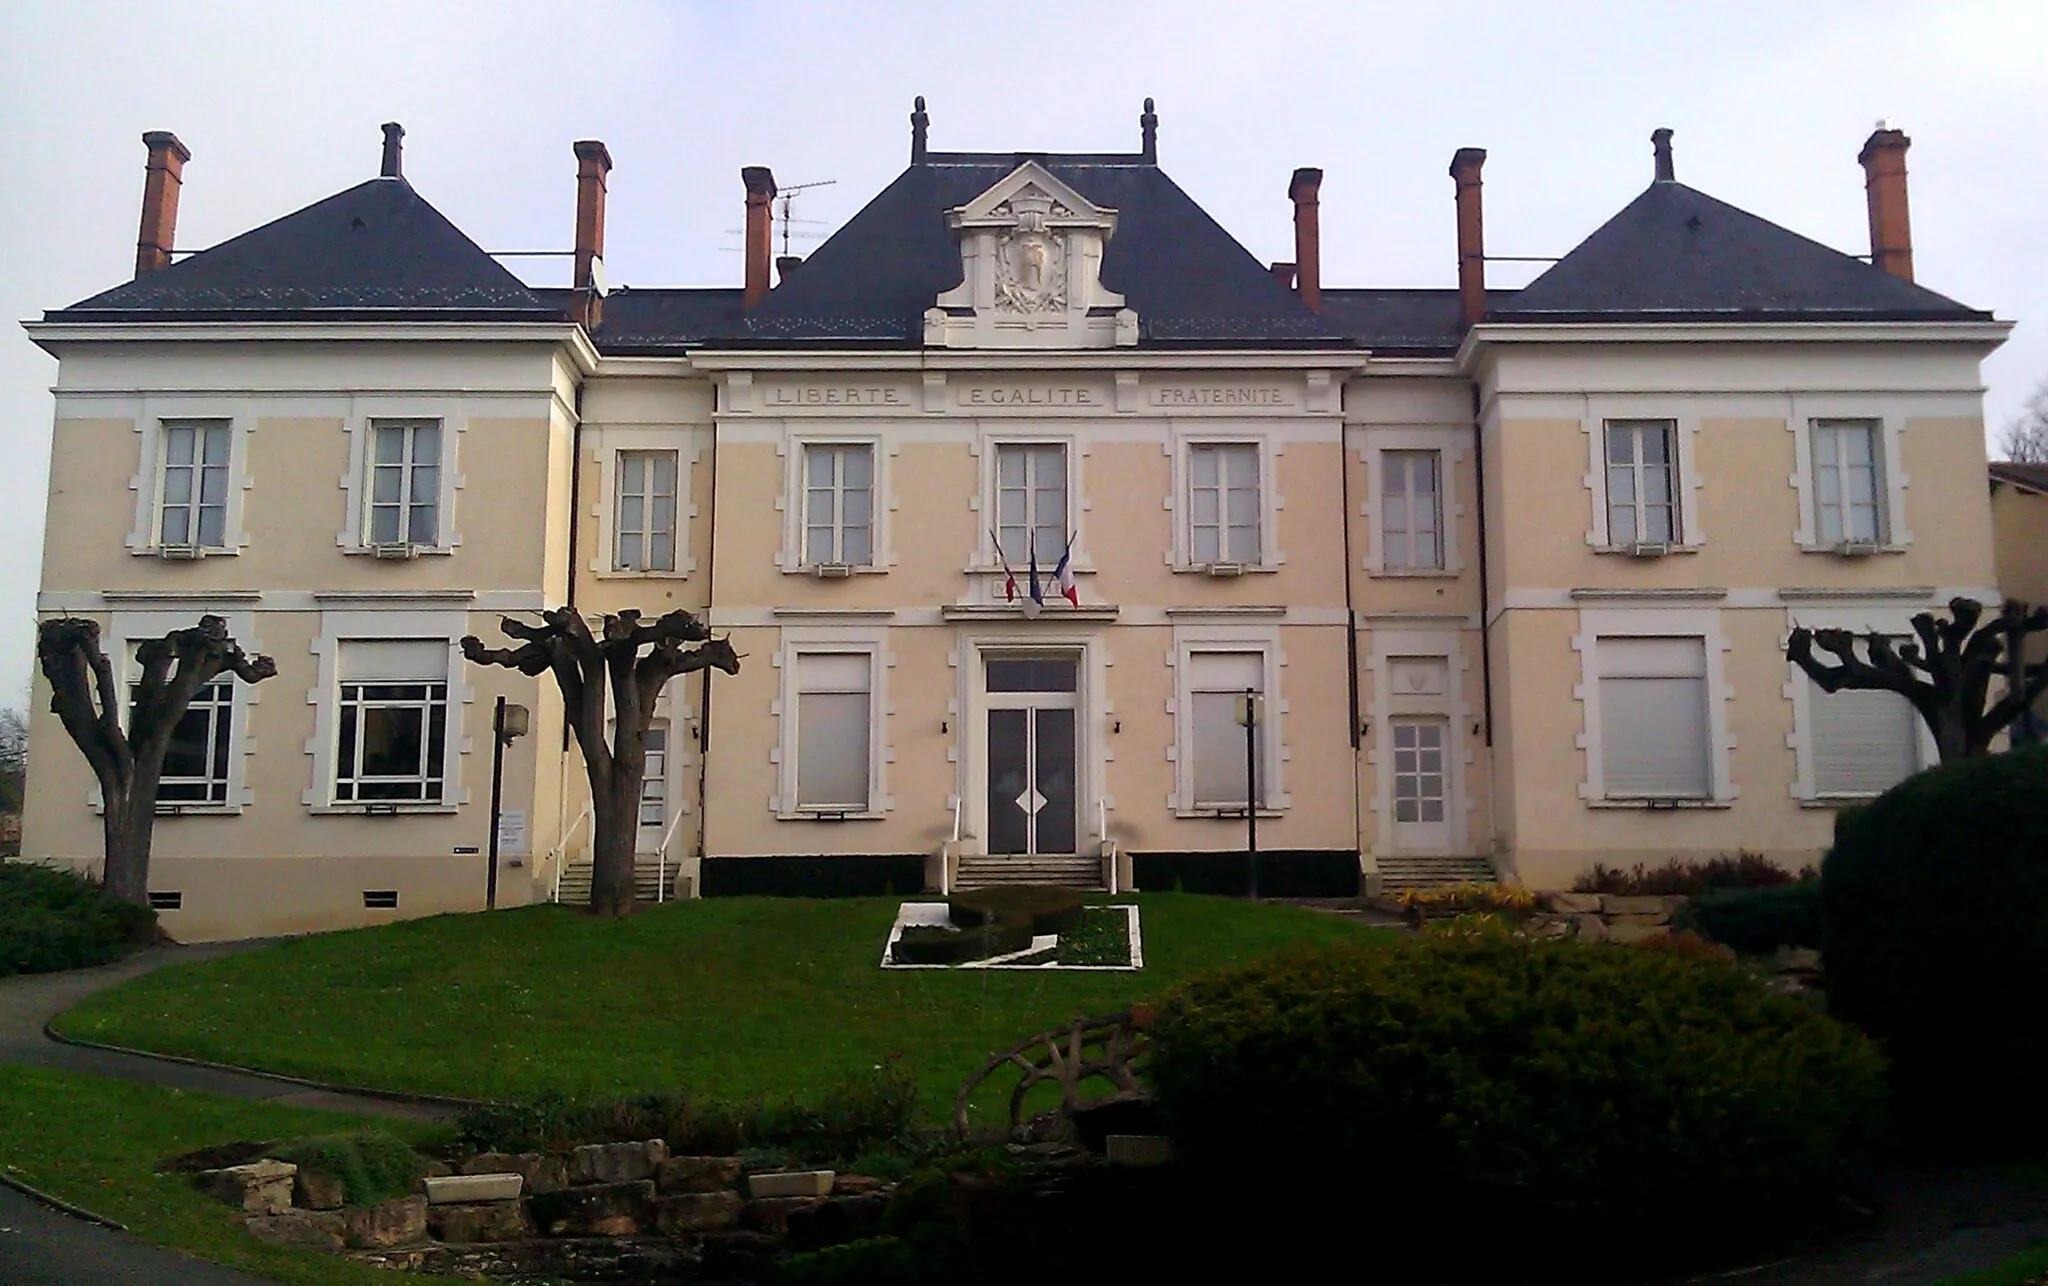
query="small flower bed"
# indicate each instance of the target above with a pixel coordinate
(1685, 879)
(1468, 898)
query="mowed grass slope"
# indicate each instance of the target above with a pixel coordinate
(734, 998)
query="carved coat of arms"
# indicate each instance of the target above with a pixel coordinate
(1031, 261)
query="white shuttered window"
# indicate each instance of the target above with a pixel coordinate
(1216, 682)
(1653, 718)
(1223, 504)
(832, 731)
(1864, 743)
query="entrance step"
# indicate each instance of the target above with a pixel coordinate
(1433, 872)
(647, 882)
(1068, 872)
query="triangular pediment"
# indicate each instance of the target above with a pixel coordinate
(1030, 270)
(1032, 188)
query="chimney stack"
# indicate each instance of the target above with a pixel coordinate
(1283, 272)
(920, 130)
(1660, 147)
(1148, 135)
(394, 151)
(160, 186)
(593, 170)
(760, 231)
(1884, 183)
(1308, 237)
(785, 268)
(1465, 167)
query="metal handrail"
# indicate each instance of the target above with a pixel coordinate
(558, 853)
(661, 859)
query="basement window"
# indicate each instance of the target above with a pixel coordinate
(166, 901)
(380, 899)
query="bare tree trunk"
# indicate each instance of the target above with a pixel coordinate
(615, 845)
(129, 823)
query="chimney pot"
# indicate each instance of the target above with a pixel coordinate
(920, 131)
(593, 171)
(760, 183)
(1465, 166)
(393, 166)
(1660, 147)
(1283, 273)
(1304, 190)
(162, 180)
(786, 266)
(1884, 186)
(1148, 134)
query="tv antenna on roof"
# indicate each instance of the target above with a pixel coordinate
(782, 216)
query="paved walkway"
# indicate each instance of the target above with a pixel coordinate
(40, 1247)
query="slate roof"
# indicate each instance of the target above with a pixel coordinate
(377, 251)
(640, 322)
(1402, 322)
(1677, 254)
(2026, 476)
(1189, 281)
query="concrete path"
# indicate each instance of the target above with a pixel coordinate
(40, 1247)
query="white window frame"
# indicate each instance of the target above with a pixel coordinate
(1181, 447)
(870, 643)
(337, 627)
(1895, 535)
(987, 557)
(1655, 622)
(648, 530)
(362, 705)
(365, 414)
(1687, 482)
(605, 444)
(1391, 647)
(1893, 619)
(1451, 445)
(126, 629)
(839, 452)
(882, 454)
(145, 537)
(1191, 640)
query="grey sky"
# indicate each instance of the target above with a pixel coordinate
(280, 106)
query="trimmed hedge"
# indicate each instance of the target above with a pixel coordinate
(52, 919)
(373, 1166)
(1556, 1086)
(1687, 878)
(1758, 920)
(1936, 897)
(1283, 873)
(990, 922)
(813, 877)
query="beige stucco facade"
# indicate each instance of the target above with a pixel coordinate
(2019, 524)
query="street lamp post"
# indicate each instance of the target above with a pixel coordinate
(508, 724)
(1248, 715)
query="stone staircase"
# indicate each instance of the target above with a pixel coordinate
(1068, 872)
(1397, 873)
(575, 888)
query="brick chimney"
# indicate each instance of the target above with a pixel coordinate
(760, 239)
(393, 165)
(786, 266)
(1465, 166)
(1308, 237)
(593, 168)
(160, 185)
(1660, 153)
(1884, 183)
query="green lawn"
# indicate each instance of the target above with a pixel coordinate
(730, 997)
(95, 1143)
(2028, 1268)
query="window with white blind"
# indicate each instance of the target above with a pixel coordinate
(192, 489)
(1224, 507)
(1849, 491)
(1031, 501)
(654, 783)
(644, 512)
(1863, 743)
(405, 483)
(1642, 482)
(839, 504)
(392, 721)
(1653, 718)
(1411, 511)
(1213, 739)
(834, 731)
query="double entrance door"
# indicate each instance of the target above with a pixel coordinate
(1033, 704)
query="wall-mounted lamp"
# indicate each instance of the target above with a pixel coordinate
(945, 727)
(1116, 725)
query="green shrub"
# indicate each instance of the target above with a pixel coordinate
(1758, 920)
(1687, 878)
(1557, 1086)
(1936, 898)
(53, 919)
(872, 1261)
(990, 922)
(373, 1166)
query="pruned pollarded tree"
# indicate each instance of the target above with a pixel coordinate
(1946, 675)
(585, 666)
(87, 697)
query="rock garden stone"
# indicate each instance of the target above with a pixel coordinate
(830, 1223)
(685, 1213)
(260, 1187)
(318, 1190)
(856, 1185)
(1614, 904)
(393, 1223)
(771, 1214)
(697, 1174)
(484, 1221)
(1636, 928)
(1572, 903)
(790, 1183)
(543, 1171)
(1589, 928)
(306, 1229)
(465, 1189)
(1138, 1149)
(600, 1210)
(616, 1162)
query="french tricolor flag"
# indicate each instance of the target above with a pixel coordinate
(1009, 577)
(1063, 575)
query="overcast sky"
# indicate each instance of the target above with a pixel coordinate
(281, 104)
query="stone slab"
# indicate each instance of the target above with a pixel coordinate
(1137, 1149)
(1589, 928)
(482, 1222)
(598, 1210)
(1618, 904)
(771, 1214)
(260, 1187)
(1572, 903)
(856, 1185)
(684, 1213)
(468, 1189)
(306, 1229)
(698, 1174)
(318, 1190)
(1635, 929)
(402, 1222)
(543, 1171)
(616, 1162)
(790, 1183)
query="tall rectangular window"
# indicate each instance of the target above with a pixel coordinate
(1848, 483)
(1217, 682)
(833, 731)
(1642, 482)
(654, 784)
(194, 494)
(645, 512)
(392, 721)
(1411, 511)
(196, 763)
(1864, 743)
(1653, 718)
(839, 504)
(1223, 504)
(405, 483)
(1031, 502)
